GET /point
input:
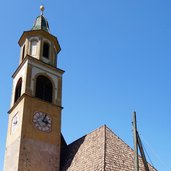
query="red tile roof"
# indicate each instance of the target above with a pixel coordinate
(100, 150)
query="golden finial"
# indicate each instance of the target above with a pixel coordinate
(42, 9)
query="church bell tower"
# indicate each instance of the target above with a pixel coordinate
(34, 126)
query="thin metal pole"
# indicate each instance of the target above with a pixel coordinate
(142, 153)
(136, 161)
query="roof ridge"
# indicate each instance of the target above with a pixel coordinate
(117, 136)
(88, 134)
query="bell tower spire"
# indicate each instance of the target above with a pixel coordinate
(34, 126)
(41, 22)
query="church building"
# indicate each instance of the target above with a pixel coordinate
(34, 139)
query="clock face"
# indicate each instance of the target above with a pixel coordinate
(15, 121)
(42, 121)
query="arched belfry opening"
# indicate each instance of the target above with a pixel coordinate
(46, 50)
(18, 90)
(44, 88)
(23, 52)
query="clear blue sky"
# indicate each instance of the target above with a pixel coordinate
(117, 58)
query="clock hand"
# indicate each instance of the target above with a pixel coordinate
(44, 119)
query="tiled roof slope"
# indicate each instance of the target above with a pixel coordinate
(85, 154)
(119, 156)
(101, 150)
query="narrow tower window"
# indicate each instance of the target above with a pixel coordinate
(46, 50)
(18, 90)
(23, 53)
(44, 88)
(33, 48)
